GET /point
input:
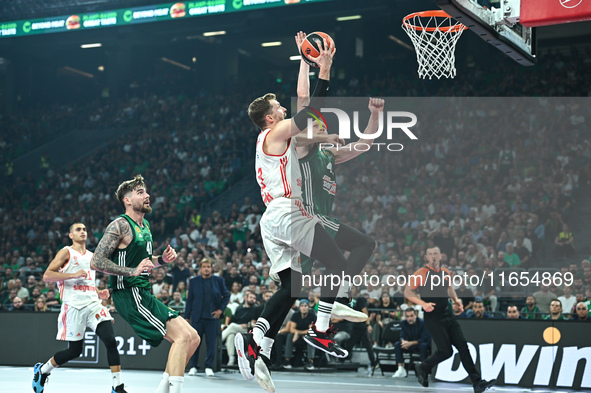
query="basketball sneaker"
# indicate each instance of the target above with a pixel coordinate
(262, 373)
(119, 389)
(39, 379)
(342, 311)
(483, 385)
(248, 352)
(325, 341)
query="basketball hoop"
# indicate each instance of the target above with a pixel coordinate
(434, 35)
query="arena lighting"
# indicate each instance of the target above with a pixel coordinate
(272, 43)
(212, 33)
(298, 57)
(401, 43)
(95, 45)
(345, 18)
(86, 74)
(176, 63)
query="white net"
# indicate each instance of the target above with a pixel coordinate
(434, 35)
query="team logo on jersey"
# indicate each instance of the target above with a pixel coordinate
(138, 230)
(329, 167)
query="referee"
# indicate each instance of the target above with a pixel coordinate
(433, 283)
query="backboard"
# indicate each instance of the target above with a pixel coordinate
(497, 23)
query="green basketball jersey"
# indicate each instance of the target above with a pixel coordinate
(139, 249)
(319, 183)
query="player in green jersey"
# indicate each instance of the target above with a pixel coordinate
(125, 251)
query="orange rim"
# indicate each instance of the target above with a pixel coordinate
(428, 14)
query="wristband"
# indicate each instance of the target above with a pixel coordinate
(161, 260)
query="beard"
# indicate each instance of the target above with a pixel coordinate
(146, 209)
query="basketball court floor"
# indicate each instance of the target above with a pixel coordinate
(73, 380)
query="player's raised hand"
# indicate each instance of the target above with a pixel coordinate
(169, 254)
(299, 39)
(376, 105)
(145, 267)
(324, 59)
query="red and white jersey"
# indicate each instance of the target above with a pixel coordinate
(80, 292)
(278, 176)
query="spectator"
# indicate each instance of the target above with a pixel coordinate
(564, 242)
(17, 305)
(40, 305)
(555, 311)
(543, 298)
(180, 272)
(567, 300)
(414, 337)
(298, 328)
(511, 258)
(21, 291)
(582, 313)
(51, 300)
(531, 311)
(513, 312)
(240, 322)
(177, 301)
(478, 310)
(280, 340)
(386, 314)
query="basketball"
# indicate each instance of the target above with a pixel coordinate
(312, 44)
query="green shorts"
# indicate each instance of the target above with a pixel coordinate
(145, 314)
(332, 226)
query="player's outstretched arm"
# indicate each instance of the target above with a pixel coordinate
(114, 234)
(344, 154)
(52, 273)
(303, 76)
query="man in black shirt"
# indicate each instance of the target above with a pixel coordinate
(434, 284)
(244, 317)
(359, 330)
(298, 328)
(413, 337)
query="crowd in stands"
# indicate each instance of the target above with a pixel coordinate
(491, 200)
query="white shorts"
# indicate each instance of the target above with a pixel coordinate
(287, 229)
(72, 322)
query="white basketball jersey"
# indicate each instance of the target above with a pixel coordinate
(80, 292)
(278, 175)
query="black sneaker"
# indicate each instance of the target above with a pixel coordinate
(325, 342)
(39, 379)
(119, 389)
(483, 385)
(422, 375)
(248, 352)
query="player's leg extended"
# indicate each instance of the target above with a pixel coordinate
(107, 335)
(184, 340)
(360, 246)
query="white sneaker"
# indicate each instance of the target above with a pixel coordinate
(400, 373)
(193, 371)
(263, 375)
(341, 311)
(209, 372)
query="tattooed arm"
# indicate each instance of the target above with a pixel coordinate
(119, 231)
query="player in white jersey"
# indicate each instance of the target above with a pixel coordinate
(81, 308)
(287, 229)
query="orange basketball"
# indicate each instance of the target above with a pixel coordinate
(312, 44)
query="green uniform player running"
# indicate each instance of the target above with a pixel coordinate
(125, 251)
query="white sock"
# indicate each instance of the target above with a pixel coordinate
(323, 318)
(344, 289)
(47, 367)
(267, 347)
(260, 329)
(116, 379)
(176, 384)
(163, 387)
